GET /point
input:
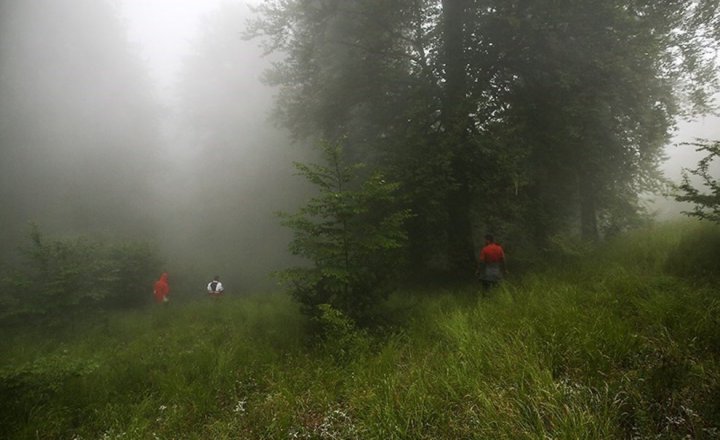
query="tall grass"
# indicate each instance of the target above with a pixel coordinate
(618, 344)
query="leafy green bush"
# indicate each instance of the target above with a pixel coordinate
(352, 234)
(57, 280)
(341, 339)
(133, 268)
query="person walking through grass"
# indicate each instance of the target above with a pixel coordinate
(161, 289)
(215, 287)
(491, 263)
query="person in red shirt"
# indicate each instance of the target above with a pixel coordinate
(161, 289)
(492, 262)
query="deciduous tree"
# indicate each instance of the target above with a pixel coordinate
(707, 202)
(352, 235)
(550, 116)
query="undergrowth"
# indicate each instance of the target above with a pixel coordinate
(621, 343)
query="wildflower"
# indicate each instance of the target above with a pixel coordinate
(240, 407)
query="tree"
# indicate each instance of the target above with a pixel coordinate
(591, 89)
(351, 234)
(550, 115)
(369, 72)
(707, 204)
(58, 280)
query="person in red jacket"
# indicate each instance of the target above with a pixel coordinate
(161, 289)
(492, 257)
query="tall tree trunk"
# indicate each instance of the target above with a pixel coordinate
(455, 119)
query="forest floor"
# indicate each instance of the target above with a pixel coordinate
(622, 342)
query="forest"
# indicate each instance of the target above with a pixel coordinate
(342, 167)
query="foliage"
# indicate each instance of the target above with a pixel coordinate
(707, 205)
(352, 235)
(548, 114)
(62, 279)
(341, 339)
(35, 383)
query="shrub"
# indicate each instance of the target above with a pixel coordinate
(59, 279)
(351, 233)
(342, 340)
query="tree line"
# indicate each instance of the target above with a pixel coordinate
(529, 119)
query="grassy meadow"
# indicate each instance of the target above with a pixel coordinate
(619, 342)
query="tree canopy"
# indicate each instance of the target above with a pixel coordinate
(525, 118)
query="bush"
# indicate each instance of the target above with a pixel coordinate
(352, 234)
(342, 340)
(59, 279)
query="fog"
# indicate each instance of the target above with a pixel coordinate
(229, 168)
(148, 120)
(681, 156)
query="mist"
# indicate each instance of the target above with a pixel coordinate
(79, 126)
(149, 120)
(104, 134)
(229, 166)
(412, 206)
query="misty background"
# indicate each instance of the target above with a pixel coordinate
(148, 120)
(144, 120)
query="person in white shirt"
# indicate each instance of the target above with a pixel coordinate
(215, 287)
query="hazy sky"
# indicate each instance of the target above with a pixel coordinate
(685, 156)
(163, 30)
